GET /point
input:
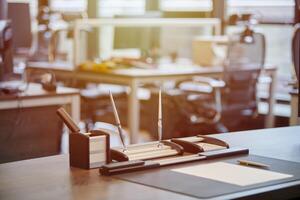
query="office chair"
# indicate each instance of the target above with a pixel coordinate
(296, 49)
(234, 97)
(19, 14)
(6, 58)
(96, 105)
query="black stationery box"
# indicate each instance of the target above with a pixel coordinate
(89, 150)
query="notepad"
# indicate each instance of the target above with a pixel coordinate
(232, 173)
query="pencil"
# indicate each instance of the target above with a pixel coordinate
(118, 123)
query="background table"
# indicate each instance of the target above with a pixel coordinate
(29, 126)
(135, 77)
(33, 95)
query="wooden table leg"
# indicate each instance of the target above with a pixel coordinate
(217, 29)
(270, 119)
(294, 110)
(75, 108)
(133, 112)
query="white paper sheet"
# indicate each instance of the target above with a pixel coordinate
(232, 173)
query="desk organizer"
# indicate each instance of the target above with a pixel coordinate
(146, 151)
(174, 151)
(200, 143)
(89, 150)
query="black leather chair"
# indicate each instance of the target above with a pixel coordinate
(296, 59)
(234, 97)
(296, 49)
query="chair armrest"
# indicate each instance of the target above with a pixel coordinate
(264, 79)
(206, 86)
(202, 85)
(210, 81)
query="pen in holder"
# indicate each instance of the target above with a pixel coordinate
(87, 150)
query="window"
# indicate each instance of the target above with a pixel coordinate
(110, 8)
(275, 16)
(269, 11)
(69, 5)
(186, 5)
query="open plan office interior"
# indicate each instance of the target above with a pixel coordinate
(149, 99)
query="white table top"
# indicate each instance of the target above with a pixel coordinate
(34, 90)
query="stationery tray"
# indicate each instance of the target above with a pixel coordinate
(168, 152)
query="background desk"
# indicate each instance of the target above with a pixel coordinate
(52, 178)
(34, 95)
(29, 126)
(135, 77)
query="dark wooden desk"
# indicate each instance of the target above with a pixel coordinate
(29, 126)
(52, 178)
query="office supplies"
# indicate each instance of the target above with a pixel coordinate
(12, 88)
(67, 120)
(139, 165)
(251, 163)
(167, 152)
(142, 156)
(127, 166)
(159, 123)
(232, 151)
(174, 151)
(231, 173)
(48, 82)
(200, 143)
(118, 123)
(87, 150)
(146, 151)
(160, 161)
(212, 179)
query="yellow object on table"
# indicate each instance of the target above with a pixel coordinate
(97, 67)
(112, 64)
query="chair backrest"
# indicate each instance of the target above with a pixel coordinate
(242, 68)
(296, 49)
(19, 14)
(245, 56)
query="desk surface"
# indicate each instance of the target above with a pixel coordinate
(34, 90)
(51, 177)
(165, 69)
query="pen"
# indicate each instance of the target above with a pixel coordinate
(68, 120)
(251, 163)
(159, 123)
(118, 123)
